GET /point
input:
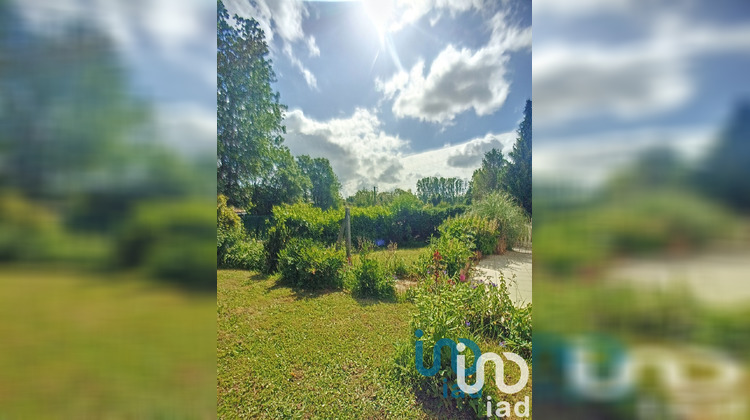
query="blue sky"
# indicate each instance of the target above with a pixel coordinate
(391, 92)
(612, 78)
(167, 49)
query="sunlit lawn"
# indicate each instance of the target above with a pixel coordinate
(284, 353)
(103, 346)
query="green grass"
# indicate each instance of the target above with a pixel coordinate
(409, 255)
(77, 345)
(284, 353)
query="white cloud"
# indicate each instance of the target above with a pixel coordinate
(187, 128)
(182, 35)
(363, 156)
(588, 161)
(458, 80)
(359, 151)
(283, 18)
(634, 79)
(458, 161)
(409, 11)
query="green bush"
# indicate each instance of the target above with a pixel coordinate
(500, 207)
(28, 231)
(479, 233)
(481, 312)
(311, 265)
(446, 256)
(372, 279)
(399, 224)
(173, 240)
(246, 253)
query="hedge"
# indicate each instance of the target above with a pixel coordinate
(402, 225)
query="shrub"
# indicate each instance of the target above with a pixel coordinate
(173, 239)
(311, 265)
(246, 253)
(501, 208)
(373, 280)
(400, 224)
(446, 256)
(481, 312)
(479, 233)
(229, 230)
(27, 231)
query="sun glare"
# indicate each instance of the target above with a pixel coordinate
(380, 14)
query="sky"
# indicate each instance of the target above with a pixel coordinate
(167, 49)
(391, 92)
(613, 78)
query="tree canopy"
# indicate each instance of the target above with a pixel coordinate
(324, 188)
(249, 115)
(517, 179)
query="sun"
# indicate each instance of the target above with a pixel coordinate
(380, 14)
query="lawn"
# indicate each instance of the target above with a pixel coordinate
(83, 345)
(284, 353)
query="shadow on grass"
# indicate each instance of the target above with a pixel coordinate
(299, 293)
(438, 408)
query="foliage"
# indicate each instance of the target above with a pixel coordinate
(308, 264)
(246, 253)
(488, 178)
(445, 257)
(394, 263)
(664, 220)
(482, 234)
(372, 278)
(283, 183)
(173, 239)
(234, 248)
(226, 218)
(434, 190)
(249, 115)
(517, 179)
(725, 173)
(479, 311)
(258, 319)
(27, 232)
(363, 198)
(324, 191)
(502, 209)
(302, 220)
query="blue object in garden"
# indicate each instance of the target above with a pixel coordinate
(380, 242)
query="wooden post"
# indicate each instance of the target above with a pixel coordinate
(348, 227)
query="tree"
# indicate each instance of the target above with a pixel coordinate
(324, 185)
(488, 178)
(363, 198)
(248, 111)
(725, 173)
(283, 183)
(436, 190)
(517, 179)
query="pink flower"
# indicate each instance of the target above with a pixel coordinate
(462, 277)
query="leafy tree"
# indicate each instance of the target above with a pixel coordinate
(517, 179)
(436, 190)
(363, 198)
(283, 183)
(324, 191)
(725, 173)
(248, 111)
(488, 178)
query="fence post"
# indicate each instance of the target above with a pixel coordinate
(348, 227)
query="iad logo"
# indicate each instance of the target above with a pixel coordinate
(458, 365)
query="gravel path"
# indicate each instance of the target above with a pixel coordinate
(716, 278)
(515, 267)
